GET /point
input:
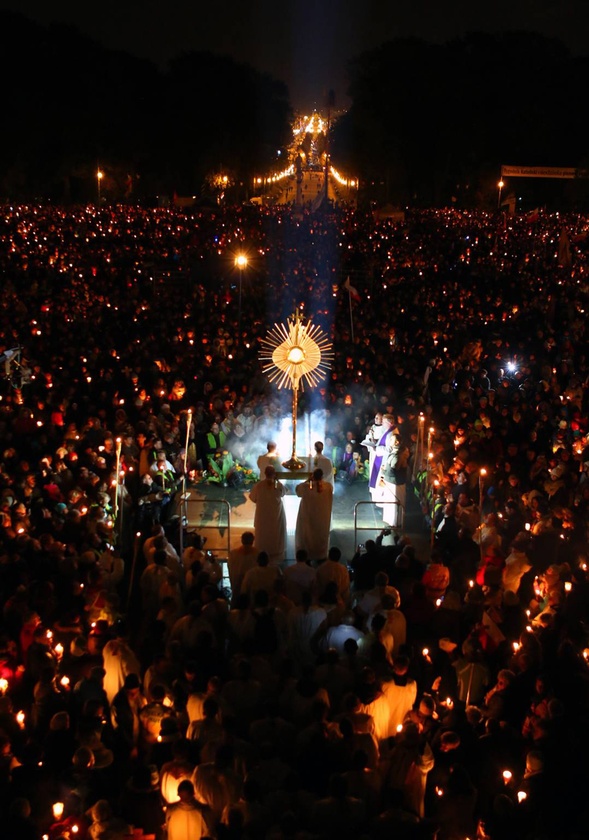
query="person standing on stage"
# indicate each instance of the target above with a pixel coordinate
(371, 439)
(380, 451)
(269, 518)
(314, 516)
(319, 461)
(395, 480)
(269, 459)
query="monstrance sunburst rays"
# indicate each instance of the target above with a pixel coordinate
(296, 354)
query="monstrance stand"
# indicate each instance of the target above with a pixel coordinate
(296, 353)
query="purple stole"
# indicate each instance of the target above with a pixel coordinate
(378, 460)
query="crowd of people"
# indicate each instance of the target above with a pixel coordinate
(420, 694)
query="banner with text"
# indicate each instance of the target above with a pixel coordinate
(538, 172)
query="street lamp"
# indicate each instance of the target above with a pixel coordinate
(501, 184)
(240, 263)
(482, 474)
(99, 177)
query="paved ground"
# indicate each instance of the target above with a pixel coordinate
(222, 514)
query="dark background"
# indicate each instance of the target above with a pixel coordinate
(161, 97)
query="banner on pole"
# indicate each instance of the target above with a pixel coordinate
(540, 172)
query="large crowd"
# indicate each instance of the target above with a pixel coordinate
(438, 694)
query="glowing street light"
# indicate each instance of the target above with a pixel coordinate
(99, 177)
(482, 474)
(500, 186)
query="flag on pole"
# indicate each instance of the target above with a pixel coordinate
(354, 293)
(533, 215)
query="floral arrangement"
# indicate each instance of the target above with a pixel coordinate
(226, 471)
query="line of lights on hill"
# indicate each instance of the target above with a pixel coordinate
(289, 172)
(345, 182)
(278, 176)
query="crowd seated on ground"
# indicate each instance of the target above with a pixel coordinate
(443, 693)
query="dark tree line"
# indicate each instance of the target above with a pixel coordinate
(427, 122)
(70, 105)
(431, 121)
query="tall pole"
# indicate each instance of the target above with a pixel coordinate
(500, 185)
(330, 104)
(118, 467)
(241, 262)
(295, 411)
(183, 496)
(418, 457)
(239, 308)
(351, 315)
(482, 474)
(294, 463)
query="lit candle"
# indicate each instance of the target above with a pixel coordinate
(58, 810)
(507, 776)
(399, 727)
(521, 795)
(58, 650)
(3, 685)
(20, 719)
(568, 586)
(65, 681)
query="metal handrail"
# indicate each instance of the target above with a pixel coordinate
(372, 527)
(203, 527)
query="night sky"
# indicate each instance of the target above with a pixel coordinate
(306, 43)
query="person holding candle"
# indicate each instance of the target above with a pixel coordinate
(411, 759)
(125, 712)
(499, 700)
(164, 478)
